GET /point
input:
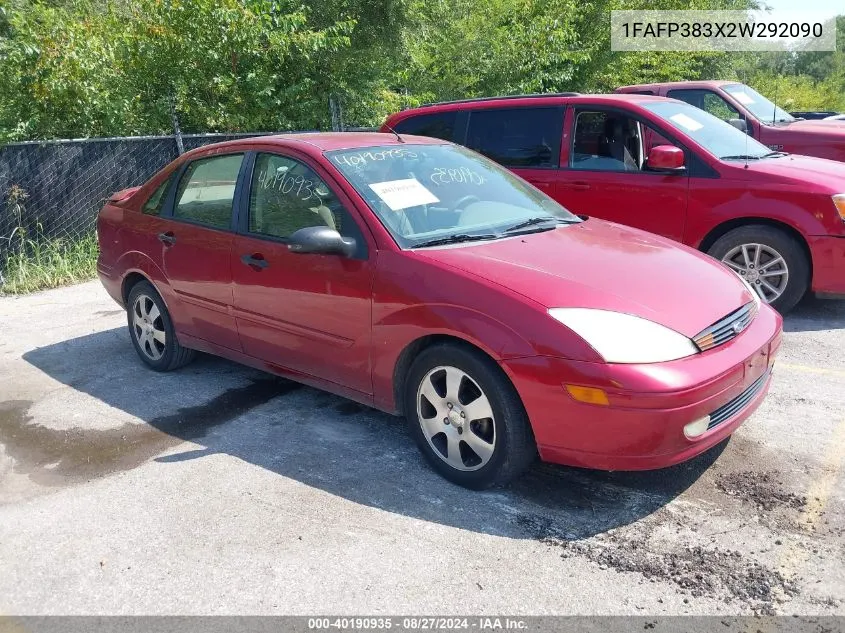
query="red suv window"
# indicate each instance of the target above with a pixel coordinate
(437, 125)
(517, 137)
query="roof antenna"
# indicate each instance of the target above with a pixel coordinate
(746, 136)
(398, 138)
(775, 104)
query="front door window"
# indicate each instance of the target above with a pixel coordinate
(286, 195)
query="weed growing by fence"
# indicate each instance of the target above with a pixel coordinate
(39, 263)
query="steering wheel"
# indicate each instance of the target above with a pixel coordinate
(465, 200)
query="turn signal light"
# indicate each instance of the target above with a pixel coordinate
(590, 395)
(699, 427)
(839, 203)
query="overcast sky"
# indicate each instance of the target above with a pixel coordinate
(824, 8)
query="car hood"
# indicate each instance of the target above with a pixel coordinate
(801, 170)
(606, 266)
(818, 126)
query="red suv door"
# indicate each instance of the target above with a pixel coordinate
(297, 310)
(606, 174)
(196, 235)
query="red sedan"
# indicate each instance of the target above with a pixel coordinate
(420, 278)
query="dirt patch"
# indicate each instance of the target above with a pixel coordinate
(56, 457)
(695, 570)
(764, 490)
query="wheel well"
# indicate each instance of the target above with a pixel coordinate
(128, 283)
(730, 225)
(411, 351)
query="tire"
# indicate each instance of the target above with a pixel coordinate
(766, 241)
(505, 443)
(149, 321)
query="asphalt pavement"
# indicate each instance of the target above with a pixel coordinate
(218, 489)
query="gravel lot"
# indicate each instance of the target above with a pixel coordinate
(218, 489)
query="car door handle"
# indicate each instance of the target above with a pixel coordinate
(256, 260)
(577, 186)
(168, 239)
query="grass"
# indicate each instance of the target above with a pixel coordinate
(39, 264)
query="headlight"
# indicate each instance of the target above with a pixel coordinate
(839, 203)
(623, 338)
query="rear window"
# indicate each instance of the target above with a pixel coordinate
(517, 137)
(438, 125)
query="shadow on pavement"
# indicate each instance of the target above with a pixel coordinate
(814, 314)
(307, 435)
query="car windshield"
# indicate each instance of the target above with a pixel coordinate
(757, 104)
(427, 195)
(719, 138)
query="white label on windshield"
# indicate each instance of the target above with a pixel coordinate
(401, 194)
(686, 122)
(743, 98)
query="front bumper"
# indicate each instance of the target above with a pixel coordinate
(642, 428)
(828, 254)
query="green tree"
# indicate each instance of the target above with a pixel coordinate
(75, 68)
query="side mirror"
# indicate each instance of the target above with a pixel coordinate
(739, 124)
(321, 240)
(666, 158)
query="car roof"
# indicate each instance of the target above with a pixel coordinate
(708, 83)
(502, 98)
(480, 103)
(316, 142)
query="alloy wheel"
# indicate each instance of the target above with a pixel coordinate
(456, 418)
(762, 267)
(148, 327)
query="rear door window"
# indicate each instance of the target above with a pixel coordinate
(207, 190)
(517, 137)
(708, 101)
(438, 125)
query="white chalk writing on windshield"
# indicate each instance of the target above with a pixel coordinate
(445, 176)
(362, 158)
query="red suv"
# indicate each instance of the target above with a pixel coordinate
(670, 168)
(751, 112)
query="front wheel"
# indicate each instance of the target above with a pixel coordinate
(467, 418)
(771, 261)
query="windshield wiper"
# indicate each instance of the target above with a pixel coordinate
(456, 239)
(775, 155)
(740, 157)
(537, 220)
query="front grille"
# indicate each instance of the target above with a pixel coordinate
(727, 411)
(726, 329)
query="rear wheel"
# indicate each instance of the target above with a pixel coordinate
(770, 260)
(152, 330)
(467, 418)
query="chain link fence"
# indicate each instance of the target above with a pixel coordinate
(54, 189)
